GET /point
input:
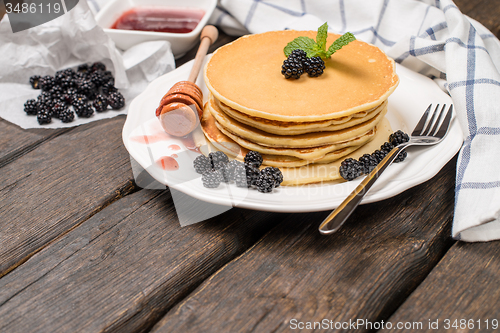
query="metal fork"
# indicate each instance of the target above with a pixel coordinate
(431, 129)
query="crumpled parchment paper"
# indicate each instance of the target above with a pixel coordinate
(68, 41)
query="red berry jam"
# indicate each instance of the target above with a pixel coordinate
(159, 19)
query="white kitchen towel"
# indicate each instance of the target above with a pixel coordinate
(431, 37)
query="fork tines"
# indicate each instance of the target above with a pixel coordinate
(431, 123)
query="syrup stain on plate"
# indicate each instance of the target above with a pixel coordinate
(187, 141)
(168, 163)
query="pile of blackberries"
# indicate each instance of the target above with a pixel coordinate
(351, 169)
(297, 63)
(216, 168)
(90, 88)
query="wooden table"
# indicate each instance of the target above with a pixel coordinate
(83, 249)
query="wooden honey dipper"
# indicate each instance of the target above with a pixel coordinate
(176, 110)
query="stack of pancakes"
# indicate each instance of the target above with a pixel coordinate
(303, 126)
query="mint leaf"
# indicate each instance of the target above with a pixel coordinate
(340, 43)
(321, 36)
(318, 48)
(304, 43)
(317, 51)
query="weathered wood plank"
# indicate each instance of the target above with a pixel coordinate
(57, 186)
(122, 269)
(366, 270)
(484, 11)
(15, 142)
(463, 286)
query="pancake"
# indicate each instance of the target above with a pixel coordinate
(296, 128)
(311, 154)
(225, 144)
(246, 76)
(307, 140)
(321, 173)
(232, 149)
(296, 171)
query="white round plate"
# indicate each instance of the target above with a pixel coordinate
(406, 105)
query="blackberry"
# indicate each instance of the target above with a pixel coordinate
(275, 173)
(218, 159)
(96, 66)
(46, 82)
(100, 103)
(58, 108)
(83, 109)
(212, 178)
(379, 155)
(401, 156)
(109, 81)
(31, 107)
(79, 97)
(83, 68)
(292, 68)
(387, 147)
(298, 55)
(67, 82)
(265, 182)
(368, 162)
(44, 100)
(314, 66)
(202, 164)
(70, 95)
(240, 176)
(97, 78)
(69, 72)
(56, 92)
(88, 89)
(49, 105)
(108, 78)
(228, 170)
(45, 95)
(35, 81)
(398, 138)
(226, 174)
(109, 88)
(67, 116)
(43, 116)
(252, 174)
(116, 100)
(253, 158)
(350, 169)
(81, 76)
(58, 77)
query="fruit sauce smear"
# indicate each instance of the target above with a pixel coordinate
(159, 19)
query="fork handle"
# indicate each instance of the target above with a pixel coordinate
(337, 218)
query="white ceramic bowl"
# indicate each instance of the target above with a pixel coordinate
(124, 39)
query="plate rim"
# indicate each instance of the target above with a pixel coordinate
(390, 189)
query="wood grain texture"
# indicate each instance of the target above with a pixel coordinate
(122, 269)
(16, 142)
(485, 11)
(365, 270)
(464, 285)
(52, 189)
(2, 10)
